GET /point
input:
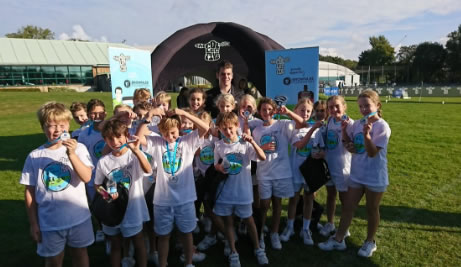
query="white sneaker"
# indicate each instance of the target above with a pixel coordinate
(242, 228)
(234, 260)
(265, 229)
(207, 242)
(319, 226)
(261, 256)
(347, 234)
(153, 258)
(261, 241)
(332, 244)
(108, 247)
(128, 262)
(207, 224)
(307, 237)
(227, 249)
(286, 234)
(327, 229)
(275, 241)
(196, 257)
(99, 236)
(367, 249)
(197, 230)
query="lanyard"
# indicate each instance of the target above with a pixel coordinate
(120, 148)
(172, 162)
(52, 142)
(230, 142)
(365, 118)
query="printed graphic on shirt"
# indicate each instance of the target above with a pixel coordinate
(268, 139)
(56, 176)
(98, 147)
(236, 162)
(207, 155)
(306, 150)
(122, 176)
(332, 139)
(359, 143)
(172, 166)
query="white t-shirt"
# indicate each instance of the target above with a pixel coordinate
(205, 158)
(94, 142)
(337, 156)
(366, 170)
(238, 188)
(59, 192)
(298, 156)
(252, 123)
(178, 189)
(127, 170)
(277, 164)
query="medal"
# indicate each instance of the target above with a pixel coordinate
(364, 120)
(344, 117)
(65, 136)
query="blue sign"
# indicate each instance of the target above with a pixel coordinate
(329, 91)
(130, 69)
(291, 71)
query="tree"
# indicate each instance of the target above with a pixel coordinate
(453, 59)
(406, 54)
(381, 53)
(351, 64)
(32, 32)
(428, 62)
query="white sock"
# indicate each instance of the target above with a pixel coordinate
(306, 223)
(291, 223)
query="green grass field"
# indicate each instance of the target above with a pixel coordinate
(420, 213)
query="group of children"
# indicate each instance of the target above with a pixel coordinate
(167, 158)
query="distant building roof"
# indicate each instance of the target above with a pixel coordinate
(53, 52)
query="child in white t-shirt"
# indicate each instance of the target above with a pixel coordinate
(197, 97)
(367, 140)
(234, 195)
(274, 174)
(307, 141)
(337, 157)
(80, 116)
(126, 164)
(175, 190)
(54, 176)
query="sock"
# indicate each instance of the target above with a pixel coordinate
(306, 223)
(290, 223)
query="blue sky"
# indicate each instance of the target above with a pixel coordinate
(340, 28)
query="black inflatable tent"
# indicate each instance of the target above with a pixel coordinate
(197, 49)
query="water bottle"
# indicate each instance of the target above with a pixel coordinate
(111, 186)
(226, 165)
(155, 120)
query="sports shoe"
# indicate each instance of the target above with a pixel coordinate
(286, 234)
(347, 234)
(99, 236)
(307, 237)
(242, 228)
(108, 247)
(261, 256)
(153, 258)
(275, 241)
(128, 262)
(207, 242)
(227, 249)
(265, 229)
(234, 260)
(207, 224)
(327, 229)
(367, 249)
(196, 257)
(261, 241)
(197, 230)
(332, 244)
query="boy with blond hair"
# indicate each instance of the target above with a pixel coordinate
(54, 176)
(141, 95)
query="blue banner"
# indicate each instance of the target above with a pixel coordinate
(329, 91)
(130, 69)
(293, 72)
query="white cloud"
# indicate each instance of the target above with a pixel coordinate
(79, 33)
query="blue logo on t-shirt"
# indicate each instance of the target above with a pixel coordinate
(306, 150)
(174, 165)
(207, 155)
(98, 147)
(56, 176)
(268, 139)
(359, 143)
(236, 162)
(121, 176)
(332, 139)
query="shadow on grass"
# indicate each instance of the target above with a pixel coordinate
(16, 148)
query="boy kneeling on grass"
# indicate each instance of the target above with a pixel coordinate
(55, 175)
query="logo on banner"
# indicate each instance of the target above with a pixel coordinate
(280, 64)
(122, 59)
(212, 49)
